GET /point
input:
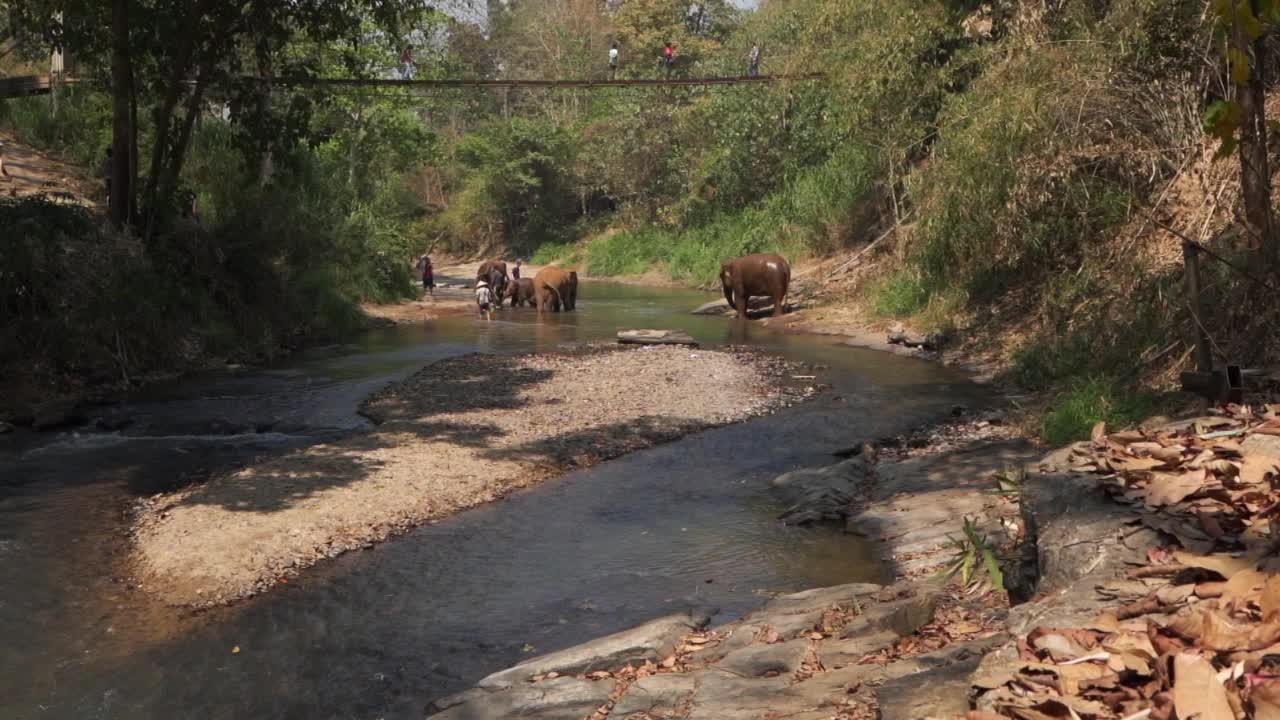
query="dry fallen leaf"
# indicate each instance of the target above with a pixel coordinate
(1266, 702)
(1225, 565)
(1270, 597)
(1225, 634)
(1242, 588)
(1196, 690)
(1170, 488)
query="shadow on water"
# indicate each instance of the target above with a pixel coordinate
(380, 633)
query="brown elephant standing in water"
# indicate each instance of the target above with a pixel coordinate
(762, 274)
(555, 288)
(494, 272)
(521, 291)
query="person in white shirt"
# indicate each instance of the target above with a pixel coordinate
(613, 61)
(484, 299)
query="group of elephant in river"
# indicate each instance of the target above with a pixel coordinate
(554, 288)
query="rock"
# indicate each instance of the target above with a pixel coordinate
(56, 414)
(656, 337)
(813, 483)
(111, 424)
(725, 696)
(821, 598)
(910, 615)
(652, 641)
(5, 428)
(715, 307)
(758, 305)
(563, 698)
(1077, 538)
(838, 652)
(656, 695)
(939, 692)
(931, 342)
(765, 660)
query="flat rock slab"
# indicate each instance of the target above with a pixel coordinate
(656, 337)
(656, 695)
(769, 660)
(653, 641)
(558, 699)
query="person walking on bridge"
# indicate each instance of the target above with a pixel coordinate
(753, 60)
(613, 61)
(668, 58)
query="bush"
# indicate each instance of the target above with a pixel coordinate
(1090, 400)
(79, 132)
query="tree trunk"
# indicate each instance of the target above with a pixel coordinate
(1255, 170)
(169, 181)
(133, 147)
(121, 128)
(164, 115)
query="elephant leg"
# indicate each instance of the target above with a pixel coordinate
(728, 295)
(779, 300)
(744, 300)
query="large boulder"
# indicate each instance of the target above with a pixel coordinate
(820, 494)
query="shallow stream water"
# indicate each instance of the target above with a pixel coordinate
(382, 632)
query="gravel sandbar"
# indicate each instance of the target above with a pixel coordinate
(458, 433)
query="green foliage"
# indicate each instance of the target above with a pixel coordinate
(973, 561)
(1089, 400)
(514, 188)
(79, 131)
(901, 294)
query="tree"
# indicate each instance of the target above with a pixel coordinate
(172, 54)
(1240, 120)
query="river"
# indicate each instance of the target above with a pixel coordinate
(382, 632)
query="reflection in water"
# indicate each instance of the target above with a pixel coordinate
(380, 633)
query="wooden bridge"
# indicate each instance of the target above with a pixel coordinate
(27, 85)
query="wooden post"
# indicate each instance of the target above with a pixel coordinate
(1191, 261)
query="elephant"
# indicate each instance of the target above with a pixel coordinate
(521, 291)
(494, 272)
(554, 287)
(763, 274)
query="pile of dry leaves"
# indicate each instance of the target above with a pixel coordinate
(1194, 633)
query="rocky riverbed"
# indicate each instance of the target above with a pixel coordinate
(1139, 582)
(458, 433)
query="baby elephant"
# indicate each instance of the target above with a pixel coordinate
(762, 274)
(521, 292)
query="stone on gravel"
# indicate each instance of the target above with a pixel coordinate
(656, 695)
(562, 698)
(656, 337)
(653, 641)
(762, 660)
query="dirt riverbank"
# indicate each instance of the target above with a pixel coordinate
(459, 433)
